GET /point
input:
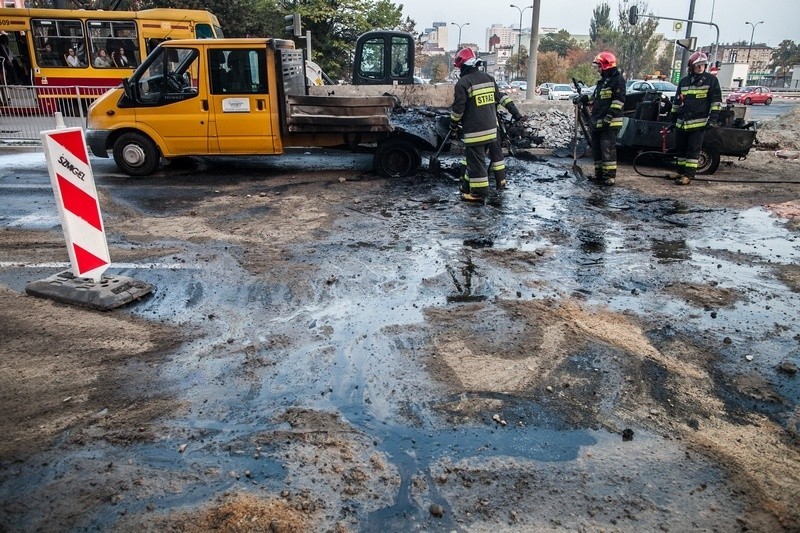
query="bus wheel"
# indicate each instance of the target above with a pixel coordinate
(396, 158)
(135, 154)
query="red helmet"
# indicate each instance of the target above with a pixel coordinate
(697, 58)
(606, 60)
(465, 57)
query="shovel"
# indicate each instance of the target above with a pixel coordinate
(434, 165)
(576, 169)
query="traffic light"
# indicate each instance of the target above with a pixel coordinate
(690, 43)
(633, 15)
(293, 24)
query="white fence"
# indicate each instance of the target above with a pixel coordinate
(27, 110)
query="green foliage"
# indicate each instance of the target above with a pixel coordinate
(561, 43)
(517, 64)
(786, 56)
(636, 47)
(601, 22)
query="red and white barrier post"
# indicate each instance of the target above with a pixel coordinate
(78, 206)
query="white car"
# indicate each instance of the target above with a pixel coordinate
(664, 87)
(519, 85)
(561, 91)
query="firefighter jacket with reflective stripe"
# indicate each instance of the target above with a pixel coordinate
(475, 107)
(608, 100)
(698, 96)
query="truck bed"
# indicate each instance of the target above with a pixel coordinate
(338, 114)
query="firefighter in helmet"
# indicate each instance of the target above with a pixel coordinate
(474, 111)
(696, 106)
(605, 120)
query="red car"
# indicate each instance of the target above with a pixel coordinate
(752, 94)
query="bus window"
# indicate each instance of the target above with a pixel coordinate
(55, 39)
(204, 31)
(118, 39)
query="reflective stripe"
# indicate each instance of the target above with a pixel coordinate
(616, 104)
(504, 100)
(609, 165)
(479, 183)
(616, 122)
(455, 117)
(481, 137)
(500, 165)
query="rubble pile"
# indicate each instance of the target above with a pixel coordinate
(545, 128)
(779, 133)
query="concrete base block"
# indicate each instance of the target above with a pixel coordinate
(108, 293)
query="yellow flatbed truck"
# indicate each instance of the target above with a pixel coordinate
(206, 97)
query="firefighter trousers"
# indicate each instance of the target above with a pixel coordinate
(604, 153)
(687, 148)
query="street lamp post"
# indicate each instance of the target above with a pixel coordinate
(751, 39)
(519, 38)
(459, 32)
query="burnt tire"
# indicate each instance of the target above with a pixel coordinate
(396, 158)
(135, 154)
(768, 101)
(708, 160)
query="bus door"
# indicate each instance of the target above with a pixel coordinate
(169, 101)
(240, 103)
(15, 53)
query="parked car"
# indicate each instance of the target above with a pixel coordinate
(419, 81)
(520, 85)
(751, 94)
(545, 88)
(664, 87)
(503, 86)
(561, 92)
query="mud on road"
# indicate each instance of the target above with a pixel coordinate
(331, 351)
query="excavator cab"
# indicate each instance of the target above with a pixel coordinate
(384, 58)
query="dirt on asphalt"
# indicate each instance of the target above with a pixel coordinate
(509, 405)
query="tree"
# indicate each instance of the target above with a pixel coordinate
(635, 46)
(561, 43)
(664, 63)
(785, 57)
(600, 23)
(518, 64)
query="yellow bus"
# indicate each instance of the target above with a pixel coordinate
(52, 48)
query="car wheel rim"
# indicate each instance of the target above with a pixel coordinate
(133, 155)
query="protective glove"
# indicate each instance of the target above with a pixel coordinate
(670, 126)
(454, 126)
(713, 118)
(519, 117)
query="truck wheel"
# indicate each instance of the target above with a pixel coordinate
(135, 154)
(396, 158)
(708, 160)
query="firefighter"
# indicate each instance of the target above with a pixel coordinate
(474, 111)
(697, 104)
(605, 120)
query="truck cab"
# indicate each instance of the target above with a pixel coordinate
(236, 97)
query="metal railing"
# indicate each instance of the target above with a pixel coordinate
(26, 110)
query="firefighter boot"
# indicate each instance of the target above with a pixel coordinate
(683, 180)
(609, 177)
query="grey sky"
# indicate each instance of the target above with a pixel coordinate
(781, 17)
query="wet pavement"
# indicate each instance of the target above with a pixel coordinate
(606, 247)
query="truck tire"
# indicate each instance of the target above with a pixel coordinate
(708, 160)
(396, 158)
(135, 154)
